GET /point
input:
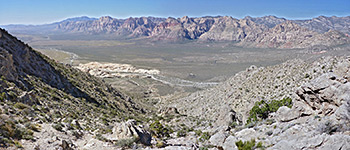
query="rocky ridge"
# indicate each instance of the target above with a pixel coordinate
(290, 35)
(262, 32)
(318, 118)
(39, 97)
(44, 104)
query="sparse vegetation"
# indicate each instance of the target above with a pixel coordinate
(128, 143)
(204, 137)
(2, 96)
(20, 105)
(262, 108)
(198, 132)
(158, 130)
(58, 126)
(248, 145)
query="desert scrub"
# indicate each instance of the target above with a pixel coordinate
(262, 108)
(2, 96)
(159, 130)
(181, 133)
(10, 132)
(248, 145)
(204, 137)
(198, 132)
(58, 127)
(20, 105)
(127, 143)
(18, 144)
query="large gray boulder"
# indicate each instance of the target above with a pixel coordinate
(324, 94)
(129, 129)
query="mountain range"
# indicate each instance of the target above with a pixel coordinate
(295, 105)
(262, 32)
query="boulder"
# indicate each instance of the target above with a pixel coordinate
(218, 139)
(324, 94)
(246, 134)
(129, 129)
(226, 116)
(336, 142)
(284, 144)
(285, 114)
(230, 143)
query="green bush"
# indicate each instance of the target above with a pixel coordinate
(18, 144)
(198, 132)
(58, 126)
(262, 108)
(181, 133)
(159, 130)
(126, 142)
(20, 105)
(248, 145)
(2, 96)
(205, 136)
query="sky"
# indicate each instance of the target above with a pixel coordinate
(48, 11)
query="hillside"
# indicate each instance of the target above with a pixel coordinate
(38, 93)
(291, 35)
(293, 105)
(261, 32)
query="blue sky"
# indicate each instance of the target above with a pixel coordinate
(47, 11)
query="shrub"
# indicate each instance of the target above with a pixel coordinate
(126, 142)
(262, 109)
(58, 127)
(2, 96)
(205, 136)
(20, 105)
(181, 133)
(198, 132)
(34, 127)
(248, 145)
(203, 148)
(18, 144)
(159, 130)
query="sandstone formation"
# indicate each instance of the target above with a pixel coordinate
(110, 70)
(261, 32)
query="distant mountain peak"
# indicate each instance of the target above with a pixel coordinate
(208, 28)
(82, 18)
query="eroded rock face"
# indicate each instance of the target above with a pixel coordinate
(129, 129)
(325, 94)
(320, 113)
(263, 32)
(109, 70)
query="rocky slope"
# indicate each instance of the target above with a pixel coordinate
(294, 105)
(263, 32)
(323, 24)
(291, 35)
(37, 92)
(122, 27)
(317, 119)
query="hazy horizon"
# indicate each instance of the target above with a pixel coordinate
(43, 12)
(97, 17)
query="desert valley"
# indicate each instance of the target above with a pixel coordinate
(211, 82)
